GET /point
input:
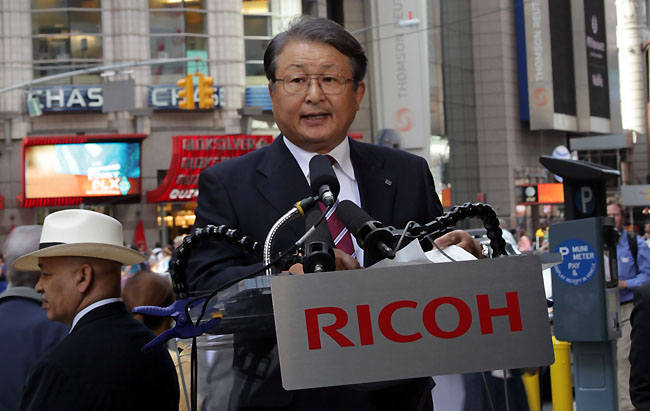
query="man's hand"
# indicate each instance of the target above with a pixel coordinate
(296, 269)
(343, 262)
(461, 239)
(622, 285)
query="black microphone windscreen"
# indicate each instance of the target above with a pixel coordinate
(321, 173)
(322, 232)
(352, 216)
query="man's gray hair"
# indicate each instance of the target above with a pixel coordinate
(22, 240)
(318, 30)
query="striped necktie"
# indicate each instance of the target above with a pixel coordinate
(340, 234)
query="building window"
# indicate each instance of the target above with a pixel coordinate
(177, 28)
(66, 36)
(257, 34)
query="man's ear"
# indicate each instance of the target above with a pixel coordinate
(85, 278)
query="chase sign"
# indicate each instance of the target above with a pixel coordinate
(68, 98)
(165, 97)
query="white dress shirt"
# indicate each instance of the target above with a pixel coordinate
(91, 307)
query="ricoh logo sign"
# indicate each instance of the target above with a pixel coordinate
(430, 319)
(368, 328)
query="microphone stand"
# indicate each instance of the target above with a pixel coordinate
(484, 212)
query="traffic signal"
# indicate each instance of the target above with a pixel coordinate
(186, 94)
(205, 92)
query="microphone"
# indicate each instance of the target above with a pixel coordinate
(322, 180)
(375, 239)
(319, 253)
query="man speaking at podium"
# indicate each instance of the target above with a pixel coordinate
(315, 71)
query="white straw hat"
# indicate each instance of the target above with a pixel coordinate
(80, 233)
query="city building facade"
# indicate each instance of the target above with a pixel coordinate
(445, 81)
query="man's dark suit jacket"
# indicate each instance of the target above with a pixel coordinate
(100, 366)
(251, 193)
(639, 350)
(25, 336)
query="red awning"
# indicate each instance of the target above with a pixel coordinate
(191, 155)
(2, 202)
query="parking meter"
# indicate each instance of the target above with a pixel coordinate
(585, 284)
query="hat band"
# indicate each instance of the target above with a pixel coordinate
(45, 245)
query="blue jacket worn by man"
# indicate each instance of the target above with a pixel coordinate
(635, 272)
(632, 274)
(250, 193)
(25, 336)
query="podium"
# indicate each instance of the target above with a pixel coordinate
(382, 324)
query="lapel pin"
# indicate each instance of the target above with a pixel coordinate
(388, 182)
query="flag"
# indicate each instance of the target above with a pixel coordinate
(140, 240)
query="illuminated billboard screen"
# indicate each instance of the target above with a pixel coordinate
(102, 169)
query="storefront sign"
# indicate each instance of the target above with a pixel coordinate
(636, 195)
(191, 155)
(543, 193)
(165, 97)
(67, 98)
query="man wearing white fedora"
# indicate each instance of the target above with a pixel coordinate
(99, 365)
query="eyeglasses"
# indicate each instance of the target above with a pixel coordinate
(329, 83)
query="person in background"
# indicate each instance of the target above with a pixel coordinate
(178, 240)
(640, 341)
(162, 266)
(25, 332)
(147, 288)
(3, 275)
(100, 365)
(524, 244)
(646, 235)
(633, 272)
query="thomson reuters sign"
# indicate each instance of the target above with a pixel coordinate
(404, 119)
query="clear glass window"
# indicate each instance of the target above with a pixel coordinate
(177, 4)
(257, 34)
(255, 49)
(177, 29)
(256, 6)
(257, 25)
(66, 36)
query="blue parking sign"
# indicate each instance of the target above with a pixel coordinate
(579, 262)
